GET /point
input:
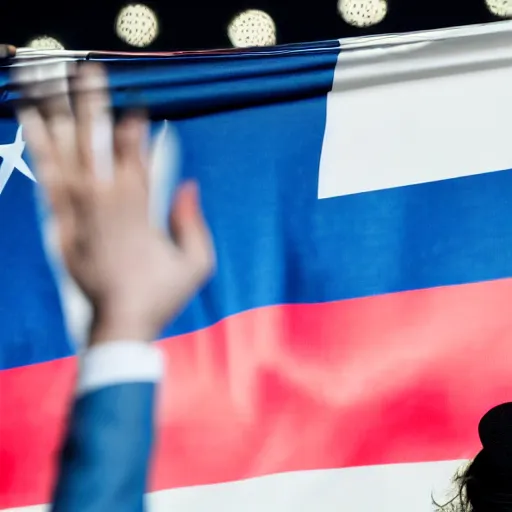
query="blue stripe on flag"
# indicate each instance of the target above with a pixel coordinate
(276, 242)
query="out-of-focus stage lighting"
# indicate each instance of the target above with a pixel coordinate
(252, 28)
(501, 8)
(363, 13)
(137, 25)
(45, 43)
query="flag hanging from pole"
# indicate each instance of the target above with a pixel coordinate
(358, 324)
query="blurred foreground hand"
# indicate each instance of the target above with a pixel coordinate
(95, 175)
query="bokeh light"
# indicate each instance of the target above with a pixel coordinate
(501, 8)
(137, 25)
(252, 28)
(363, 13)
(45, 43)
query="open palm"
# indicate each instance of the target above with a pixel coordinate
(95, 175)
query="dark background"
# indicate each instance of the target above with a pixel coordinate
(201, 24)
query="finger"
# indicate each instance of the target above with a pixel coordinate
(55, 107)
(131, 146)
(35, 132)
(37, 137)
(191, 234)
(46, 163)
(94, 121)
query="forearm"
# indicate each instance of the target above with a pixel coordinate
(106, 454)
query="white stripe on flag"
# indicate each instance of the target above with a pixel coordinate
(418, 113)
(163, 175)
(393, 488)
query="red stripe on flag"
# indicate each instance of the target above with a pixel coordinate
(385, 379)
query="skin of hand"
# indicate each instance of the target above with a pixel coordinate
(135, 276)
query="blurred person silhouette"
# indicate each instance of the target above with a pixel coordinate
(136, 278)
(485, 484)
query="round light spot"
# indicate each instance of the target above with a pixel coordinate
(45, 43)
(137, 25)
(363, 13)
(501, 8)
(252, 28)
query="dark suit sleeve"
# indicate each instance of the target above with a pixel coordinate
(105, 458)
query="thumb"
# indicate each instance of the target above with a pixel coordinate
(190, 231)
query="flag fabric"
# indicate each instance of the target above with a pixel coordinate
(358, 324)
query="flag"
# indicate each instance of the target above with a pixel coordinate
(358, 324)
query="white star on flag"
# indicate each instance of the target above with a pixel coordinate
(12, 159)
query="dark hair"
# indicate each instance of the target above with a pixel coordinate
(480, 487)
(485, 485)
(460, 501)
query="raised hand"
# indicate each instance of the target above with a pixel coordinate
(95, 175)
